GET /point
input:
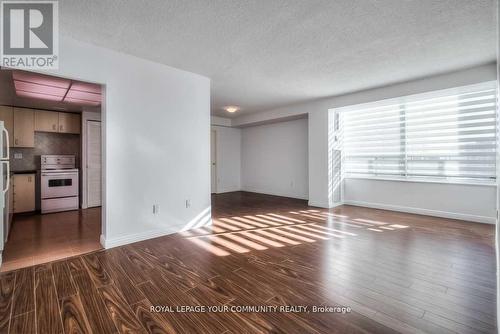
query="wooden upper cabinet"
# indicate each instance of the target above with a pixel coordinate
(46, 121)
(69, 123)
(24, 127)
(7, 116)
(22, 124)
(52, 121)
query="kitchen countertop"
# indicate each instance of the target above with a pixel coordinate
(29, 171)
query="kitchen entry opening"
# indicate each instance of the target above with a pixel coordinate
(52, 168)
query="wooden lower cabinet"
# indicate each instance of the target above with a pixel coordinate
(24, 192)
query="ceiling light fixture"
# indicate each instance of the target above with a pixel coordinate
(44, 87)
(231, 109)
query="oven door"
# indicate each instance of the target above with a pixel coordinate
(59, 184)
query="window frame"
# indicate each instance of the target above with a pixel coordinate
(403, 100)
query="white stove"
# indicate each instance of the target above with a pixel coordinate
(59, 183)
(68, 170)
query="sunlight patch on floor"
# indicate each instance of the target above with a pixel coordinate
(261, 231)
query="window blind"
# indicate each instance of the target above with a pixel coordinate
(448, 134)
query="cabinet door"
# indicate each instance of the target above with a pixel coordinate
(46, 121)
(7, 116)
(69, 123)
(24, 128)
(24, 192)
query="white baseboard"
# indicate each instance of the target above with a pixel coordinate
(131, 238)
(156, 233)
(318, 204)
(227, 190)
(265, 192)
(426, 212)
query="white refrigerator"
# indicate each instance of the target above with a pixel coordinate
(4, 185)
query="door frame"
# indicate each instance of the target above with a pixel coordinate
(102, 117)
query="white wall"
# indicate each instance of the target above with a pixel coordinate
(155, 142)
(228, 158)
(318, 134)
(457, 201)
(274, 159)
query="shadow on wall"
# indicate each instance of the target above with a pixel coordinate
(202, 219)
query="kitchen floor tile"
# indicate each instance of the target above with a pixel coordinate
(36, 239)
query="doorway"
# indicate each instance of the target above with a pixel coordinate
(55, 156)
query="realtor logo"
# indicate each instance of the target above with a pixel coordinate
(30, 32)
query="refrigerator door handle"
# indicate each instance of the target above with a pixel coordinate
(7, 184)
(4, 130)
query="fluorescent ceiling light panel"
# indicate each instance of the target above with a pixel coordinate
(86, 87)
(39, 89)
(76, 94)
(41, 79)
(39, 96)
(44, 87)
(82, 102)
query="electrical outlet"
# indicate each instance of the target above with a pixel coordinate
(188, 203)
(18, 155)
(156, 209)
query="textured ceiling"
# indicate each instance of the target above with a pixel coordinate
(268, 53)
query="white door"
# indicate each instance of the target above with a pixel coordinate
(213, 161)
(93, 164)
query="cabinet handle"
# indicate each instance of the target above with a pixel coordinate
(54, 127)
(60, 127)
(17, 141)
(29, 178)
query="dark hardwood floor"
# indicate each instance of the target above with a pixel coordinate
(397, 272)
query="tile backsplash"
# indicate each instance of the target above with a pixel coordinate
(45, 143)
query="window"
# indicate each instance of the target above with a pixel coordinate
(442, 135)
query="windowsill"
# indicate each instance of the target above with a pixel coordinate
(429, 180)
